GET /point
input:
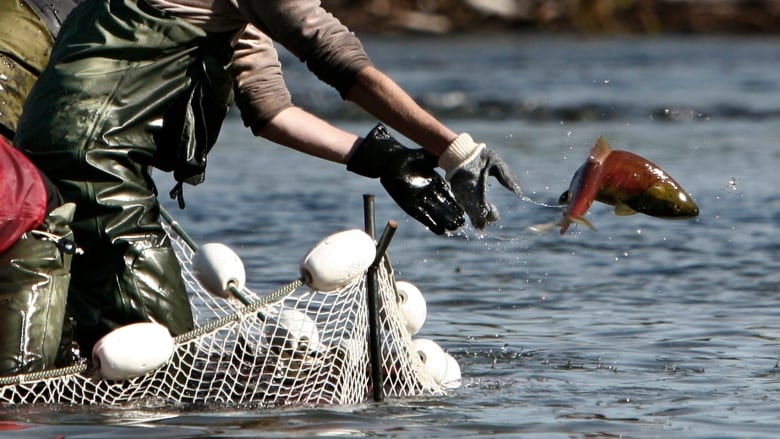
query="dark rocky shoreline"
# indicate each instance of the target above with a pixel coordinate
(573, 16)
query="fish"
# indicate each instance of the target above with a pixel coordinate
(627, 181)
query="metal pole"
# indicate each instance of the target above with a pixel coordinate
(372, 286)
(368, 215)
(374, 324)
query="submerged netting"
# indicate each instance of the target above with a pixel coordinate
(243, 354)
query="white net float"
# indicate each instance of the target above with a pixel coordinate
(412, 305)
(132, 351)
(433, 357)
(293, 331)
(453, 378)
(217, 268)
(338, 260)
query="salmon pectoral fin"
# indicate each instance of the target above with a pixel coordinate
(623, 210)
(566, 222)
(583, 222)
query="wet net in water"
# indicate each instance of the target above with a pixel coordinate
(294, 346)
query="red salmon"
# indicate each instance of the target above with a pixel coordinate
(627, 181)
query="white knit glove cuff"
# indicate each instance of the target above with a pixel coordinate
(461, 151)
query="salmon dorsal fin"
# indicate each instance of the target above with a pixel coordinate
(623, 210)
(600, 150)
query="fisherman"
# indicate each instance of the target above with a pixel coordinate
(35, 240)
(134, 84)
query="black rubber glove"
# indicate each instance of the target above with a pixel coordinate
(409, 176)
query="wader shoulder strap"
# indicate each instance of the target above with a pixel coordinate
(192, 124)
(53, 12)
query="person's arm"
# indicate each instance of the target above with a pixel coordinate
(266, 107)
(379, 95)
(336, 56)
(300, 130)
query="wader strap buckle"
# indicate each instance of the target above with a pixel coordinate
(65, 245)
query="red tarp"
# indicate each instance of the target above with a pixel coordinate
(22, 195)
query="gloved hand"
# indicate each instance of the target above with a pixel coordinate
(409, 176)
(468, 165)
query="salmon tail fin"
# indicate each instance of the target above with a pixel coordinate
(600, 150)
(543, 227)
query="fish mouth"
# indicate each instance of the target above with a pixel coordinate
(686, 211)
(676, 212)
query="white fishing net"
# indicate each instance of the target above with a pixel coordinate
(244, 354)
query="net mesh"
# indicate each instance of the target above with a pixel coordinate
(245, 354)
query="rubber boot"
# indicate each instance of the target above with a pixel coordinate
(129, 271)
(34, 277)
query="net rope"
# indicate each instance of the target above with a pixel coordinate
(240, 355)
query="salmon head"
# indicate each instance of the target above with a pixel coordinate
(584, 186)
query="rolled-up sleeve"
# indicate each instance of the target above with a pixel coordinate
(261, 92)
(329, 49)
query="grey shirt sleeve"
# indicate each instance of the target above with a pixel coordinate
(329, 49)
(261, 92)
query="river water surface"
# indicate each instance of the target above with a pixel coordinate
(643, 328)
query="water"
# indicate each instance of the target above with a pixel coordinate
(643, 328)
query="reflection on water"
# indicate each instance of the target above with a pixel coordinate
(642, 328)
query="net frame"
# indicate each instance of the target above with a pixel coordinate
(239, 354)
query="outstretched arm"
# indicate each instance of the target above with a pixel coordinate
(378, 94)
(300, 130)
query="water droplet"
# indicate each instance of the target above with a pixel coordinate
(733, 183)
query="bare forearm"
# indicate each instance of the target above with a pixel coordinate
(307, 133)
(376, 93)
